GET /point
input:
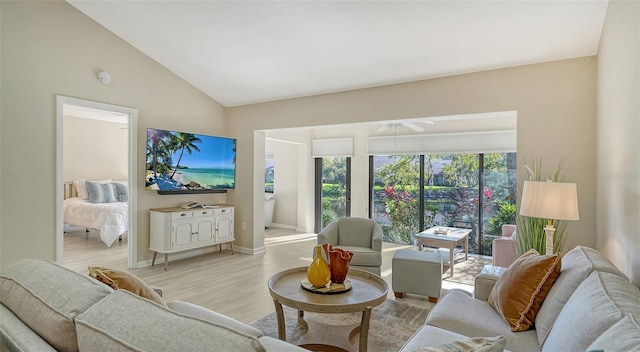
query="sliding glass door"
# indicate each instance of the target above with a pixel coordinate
(411, 193)
(333, 189)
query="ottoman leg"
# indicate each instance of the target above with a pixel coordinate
(398, 294)
(433, 299)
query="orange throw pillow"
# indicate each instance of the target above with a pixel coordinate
(121, 280)
(522, 287)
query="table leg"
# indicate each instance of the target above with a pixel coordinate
(466, 247)
(451, 250)
(282, 328)
(166, 261)
(364, 329)
(301, 320)
(153, 261)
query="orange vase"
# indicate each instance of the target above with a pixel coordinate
(318, 273)
(338, 262)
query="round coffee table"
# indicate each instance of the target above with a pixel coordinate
(368, 290)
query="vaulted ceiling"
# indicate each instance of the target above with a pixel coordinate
(243, 52)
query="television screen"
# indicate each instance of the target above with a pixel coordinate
(179, 162)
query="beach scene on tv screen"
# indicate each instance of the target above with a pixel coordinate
(178, 161)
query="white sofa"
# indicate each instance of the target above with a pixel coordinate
(592, 306)
(46, 307)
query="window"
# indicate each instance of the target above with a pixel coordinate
(333, 188)
(411, 193)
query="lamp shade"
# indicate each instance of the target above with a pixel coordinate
(549, 200)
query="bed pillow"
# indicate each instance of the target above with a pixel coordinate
(523, 286)
(81, 187)
(122, 191)
(101, 192)
(121, 280)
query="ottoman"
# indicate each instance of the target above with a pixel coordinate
(417, 272)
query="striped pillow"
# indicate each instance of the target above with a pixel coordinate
(101, 192)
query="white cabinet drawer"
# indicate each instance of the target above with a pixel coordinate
(182, 215)
(200, 213)
(222, 211)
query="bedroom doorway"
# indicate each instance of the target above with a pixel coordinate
(122, 122)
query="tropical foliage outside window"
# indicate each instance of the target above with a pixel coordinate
(451, 186)
(334, 189)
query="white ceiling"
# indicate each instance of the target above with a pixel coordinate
(242, 52)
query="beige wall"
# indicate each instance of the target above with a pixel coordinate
(285, 184)
(618, 173)
(50, 48)
(94, 149)
(555, 102)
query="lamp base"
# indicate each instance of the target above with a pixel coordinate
(549, 230)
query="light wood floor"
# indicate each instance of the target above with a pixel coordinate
(231, 284)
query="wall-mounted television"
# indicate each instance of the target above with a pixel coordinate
(180, 162)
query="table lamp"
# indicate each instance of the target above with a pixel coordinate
(551, 201)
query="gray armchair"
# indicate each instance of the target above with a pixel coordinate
(361, 236)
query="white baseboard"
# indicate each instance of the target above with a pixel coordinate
(283, 226)
(200, 251)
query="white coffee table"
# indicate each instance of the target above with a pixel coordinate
(454, 237)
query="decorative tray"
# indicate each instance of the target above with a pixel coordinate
(332, 289)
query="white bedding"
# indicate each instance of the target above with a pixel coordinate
(111, 219)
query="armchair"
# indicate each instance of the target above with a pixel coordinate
(504, 248)
(361, 236)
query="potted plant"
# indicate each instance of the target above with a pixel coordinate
(530, 231)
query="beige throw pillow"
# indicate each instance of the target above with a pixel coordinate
(521, 289)
(121, 280)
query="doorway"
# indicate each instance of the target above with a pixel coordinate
(131, 115)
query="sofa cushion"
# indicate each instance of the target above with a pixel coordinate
(522, 287)
(577, 264)
(622, 336)
(429, 335)
(460, 313)
(47, 297)
(195, 311)
(17, 336)
(475, 344)
(123, 321)
(122, 280)
(364, 256)
(599, 302)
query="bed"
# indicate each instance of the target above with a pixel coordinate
(110, 218)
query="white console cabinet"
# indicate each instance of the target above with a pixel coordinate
(176, 229)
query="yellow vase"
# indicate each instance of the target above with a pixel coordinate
(318, 273)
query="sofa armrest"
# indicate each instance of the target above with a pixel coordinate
(195, 311)
(485, 280)
(376, 238)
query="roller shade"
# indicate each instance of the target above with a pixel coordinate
(332, 147)
(445, 143)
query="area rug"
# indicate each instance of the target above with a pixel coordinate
(392, 324)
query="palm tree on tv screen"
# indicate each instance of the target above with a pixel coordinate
(184, 141)
(157, 137)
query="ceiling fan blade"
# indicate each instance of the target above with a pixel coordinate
(413, 126)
